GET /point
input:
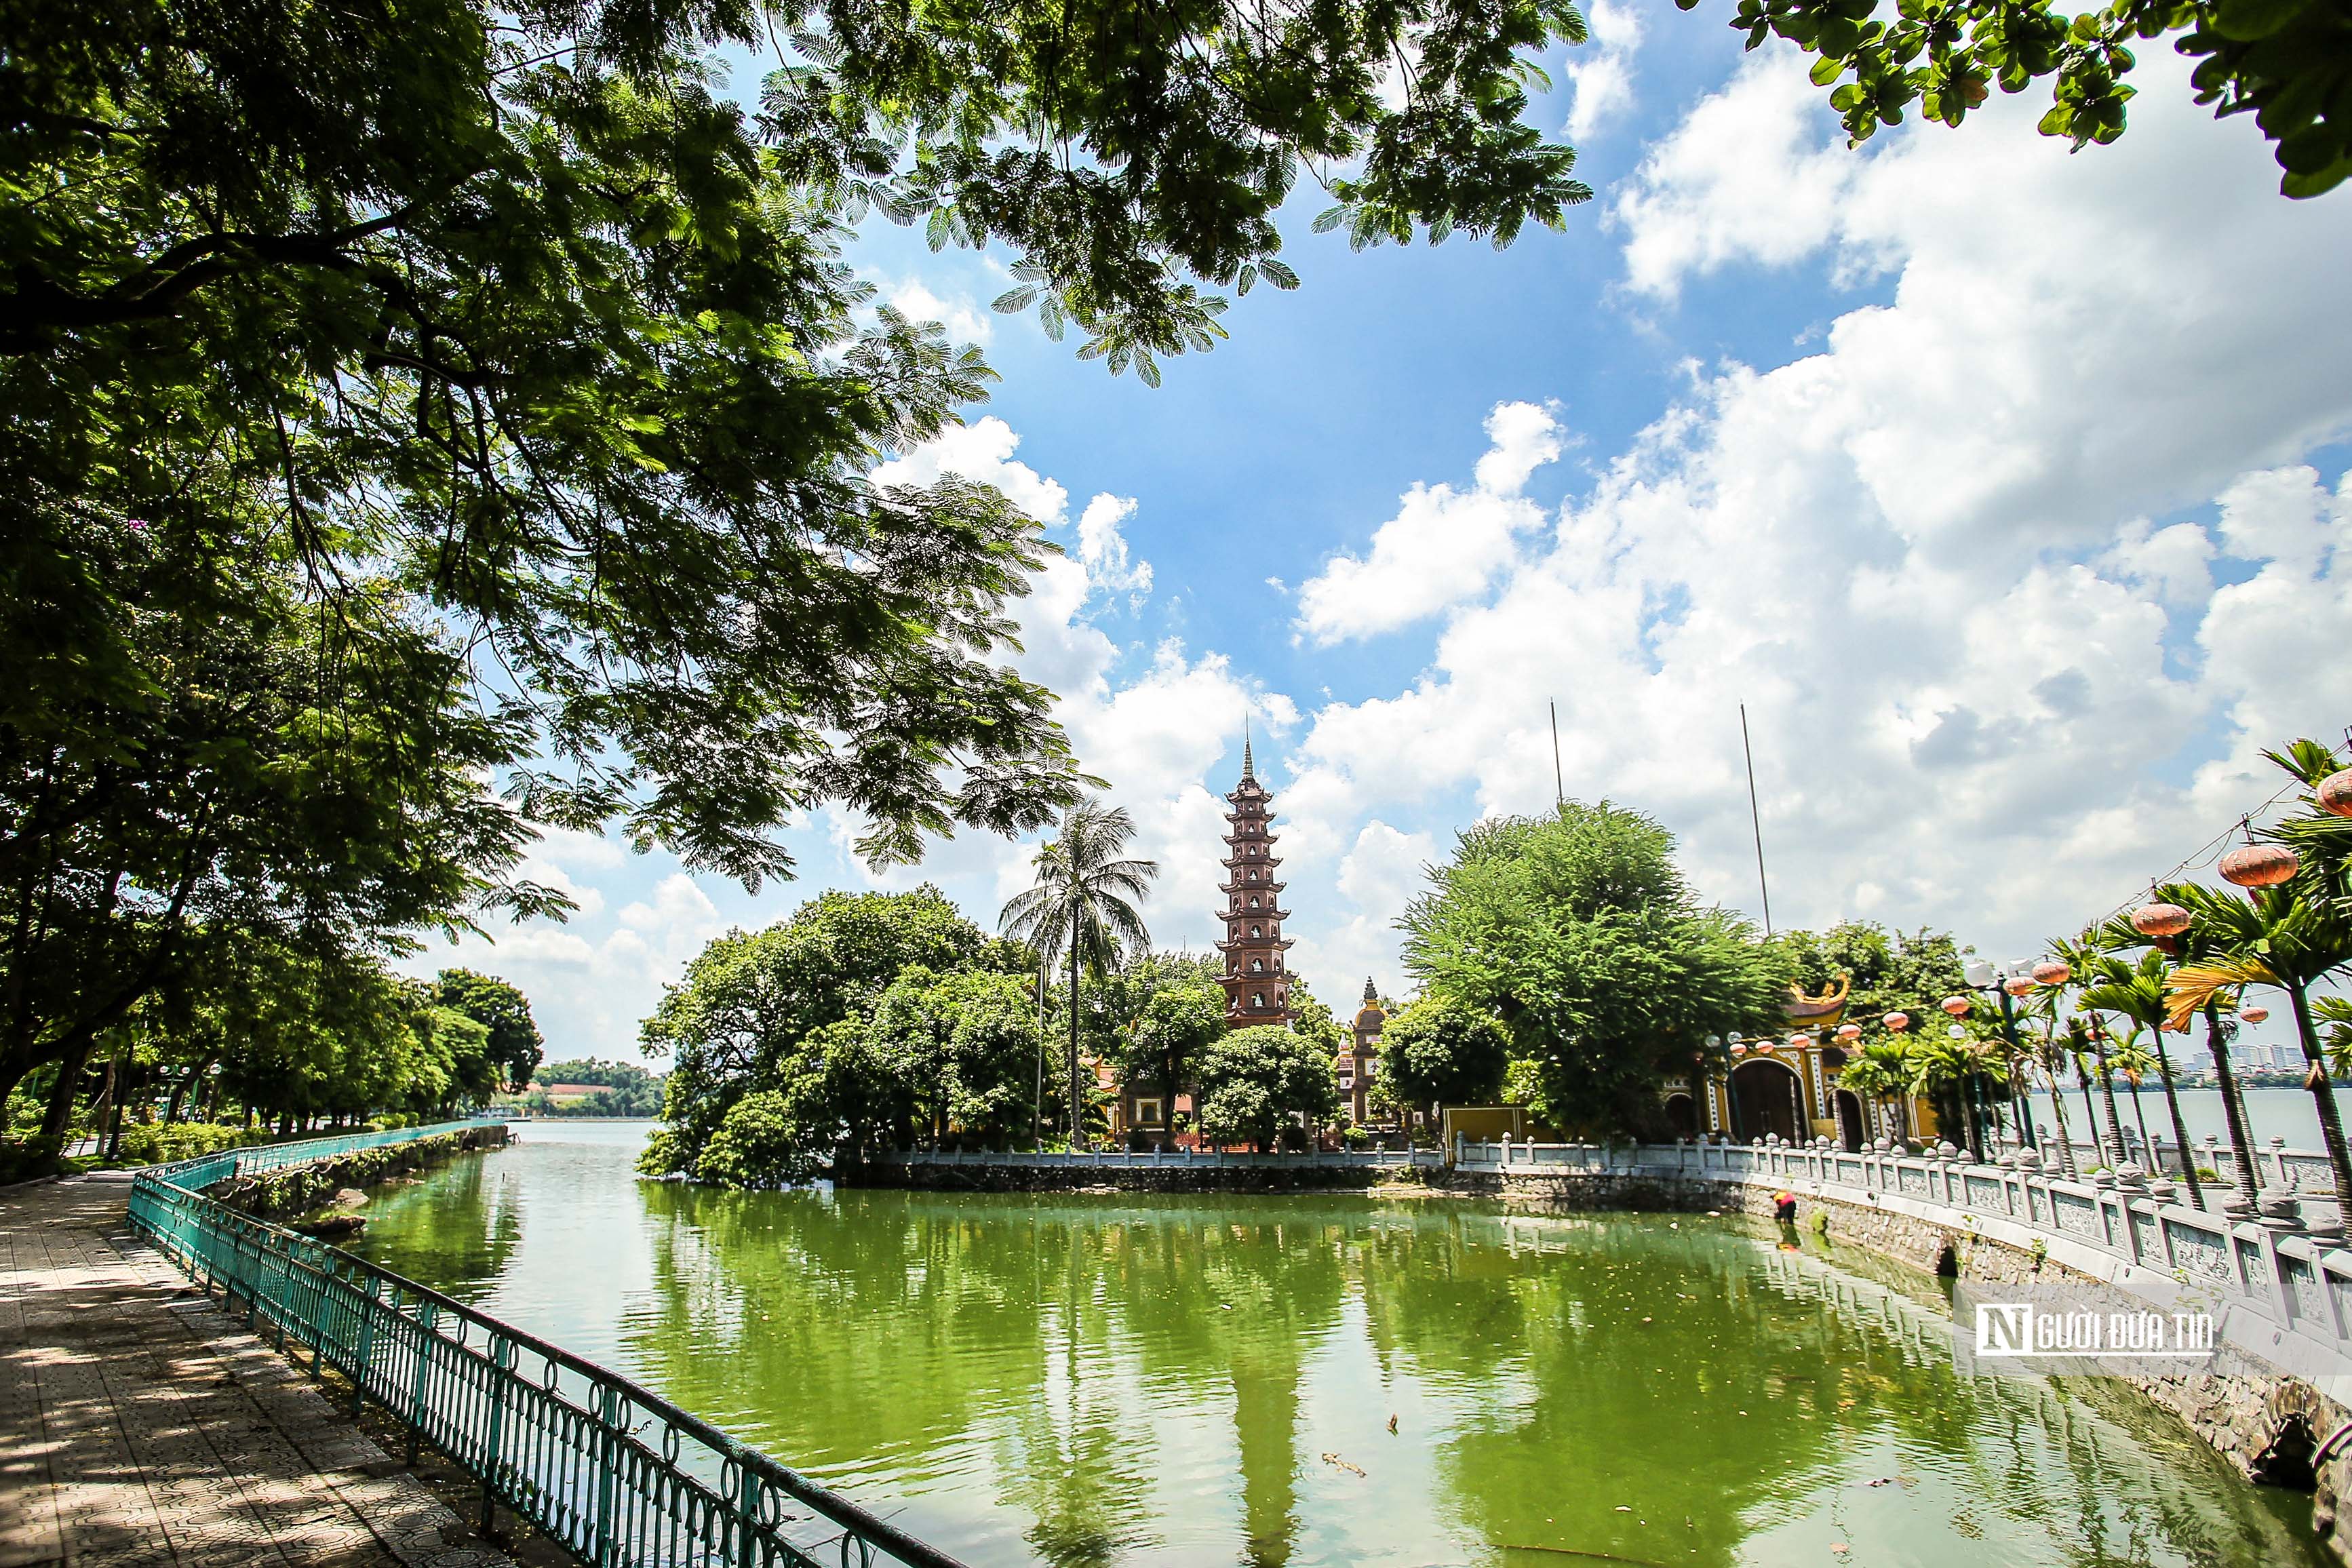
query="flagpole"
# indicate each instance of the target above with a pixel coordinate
(1756, 819)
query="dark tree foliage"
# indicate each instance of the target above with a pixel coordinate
(749, 1008)
(478, 370)
(1152, 1015)
(505, 1012)
(2286, 62)
(197, 771)
(1254, 1083)
(1888, 971)
(1576, 932)
(1435, 1053)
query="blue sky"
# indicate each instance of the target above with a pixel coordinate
(2001, 485)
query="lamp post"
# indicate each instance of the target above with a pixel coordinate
(1734, 1047)
(2003, 983)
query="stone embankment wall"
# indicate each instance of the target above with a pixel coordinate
(2264, 1422)
(299, 1189)
(1202, 1178)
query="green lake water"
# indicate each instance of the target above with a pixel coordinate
(1087, 1381)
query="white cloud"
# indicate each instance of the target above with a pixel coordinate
(1443, 545)
(1603, 74)
(1102, 548)
(2173, 563)
(983, 452)
(966, 322)
(1754, 173)
(1920, 557)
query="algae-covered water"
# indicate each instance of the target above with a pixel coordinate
(1087, 1380)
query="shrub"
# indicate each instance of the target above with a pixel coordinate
(23, 1159)
(161, 1143)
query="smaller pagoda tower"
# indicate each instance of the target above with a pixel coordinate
(1257, 980)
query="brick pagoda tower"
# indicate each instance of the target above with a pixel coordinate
(1256, 982)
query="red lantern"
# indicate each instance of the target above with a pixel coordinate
(1764, 1046)
(1897, 1022)
(1849, 1031)
(2159, 920)
(1957, 1007)
(2252, 1015)
(2019, 986)
(2259, 864)
(2335, 794)
(2051, 971)
(1799, 1042)
(1737, 1049)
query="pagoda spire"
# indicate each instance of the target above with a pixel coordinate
(1256, 978)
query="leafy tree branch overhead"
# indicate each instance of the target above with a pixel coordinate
(2286, 62)
(492, 340)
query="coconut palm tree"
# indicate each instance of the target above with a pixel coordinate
(1875, 1072)
(1081, 910)
(1952, 1067)
(2287, 938)
(2131, 1056)
(2043, 1003)
(2137, 992)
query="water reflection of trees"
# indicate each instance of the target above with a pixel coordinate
(852, 1332)
(457, 1230)
(898, 1343)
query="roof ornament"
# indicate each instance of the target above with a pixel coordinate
(1248, 767)
(1370, 993)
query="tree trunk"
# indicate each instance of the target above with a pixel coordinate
(2322, 1097)
(2107, 1093)
(1077, 1115)
(2058, 1114)
(2233, 1114)
(2139, 1114)
(2179, 1128)
(2090, 1106)
(58, 1117)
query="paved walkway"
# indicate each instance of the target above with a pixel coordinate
(141, 1428)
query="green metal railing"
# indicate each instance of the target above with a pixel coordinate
(619, 1476)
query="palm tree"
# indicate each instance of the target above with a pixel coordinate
(2283, 938)
(2044, 1004)
(2136, 1061)
(1080, 909)
(1875, 1072)
(1954, 1067)
(2137, 992)
(2096, 1030)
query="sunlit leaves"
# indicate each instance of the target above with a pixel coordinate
(2289, 62)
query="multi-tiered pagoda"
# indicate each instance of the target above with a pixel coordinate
(1257, 984)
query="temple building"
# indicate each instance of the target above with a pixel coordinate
(1359, 1057)
(1788, 1089)
(1257, 987)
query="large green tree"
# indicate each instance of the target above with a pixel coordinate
(1576, 932)
(1254, 1083)
(506, 302)
(514, 1043)
(196, 770)
(2286, 62)
(1174, 1010)
(744, 1018)
(1438, 1053)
